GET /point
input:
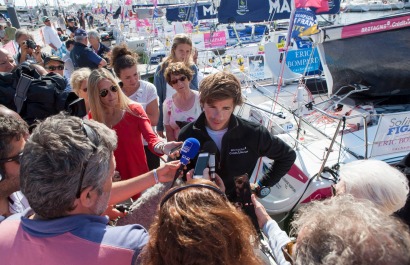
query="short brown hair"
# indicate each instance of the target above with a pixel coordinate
(220, 86)
(179, 68)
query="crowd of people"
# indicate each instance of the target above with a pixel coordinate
(57, 189)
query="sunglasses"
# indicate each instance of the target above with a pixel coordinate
(84, 90)
(15, 158)
(182, 79)
(104, 92)
(92, 136)
(53, 68)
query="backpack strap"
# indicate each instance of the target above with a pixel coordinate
(21, 91)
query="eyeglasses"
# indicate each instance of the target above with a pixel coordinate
(15, 158)
(90, 134)
(53, 68)
(182, 79)
(104, 92)
(288, 250)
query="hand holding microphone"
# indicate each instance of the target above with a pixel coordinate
(188, 151)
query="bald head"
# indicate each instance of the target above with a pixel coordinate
(7, 62)
(6, 112)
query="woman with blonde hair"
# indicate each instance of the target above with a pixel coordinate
(109, 105)
(79, 81)
(183, 107)
(181, 51)
(196, 224)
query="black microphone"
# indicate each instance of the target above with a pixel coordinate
(188, 151)
(210, 147)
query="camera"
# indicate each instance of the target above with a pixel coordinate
(31, 44)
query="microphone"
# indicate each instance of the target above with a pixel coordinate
(211, 165)
(211, 148)
(188, 151)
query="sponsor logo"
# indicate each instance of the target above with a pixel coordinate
(242, 7)
(238, 151)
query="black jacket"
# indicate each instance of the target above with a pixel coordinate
(242, 145)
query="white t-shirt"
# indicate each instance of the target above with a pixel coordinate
(216, 136)
(172, 113)
(145, 94)
(51, 36)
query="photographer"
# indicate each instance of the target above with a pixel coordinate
(29, 50)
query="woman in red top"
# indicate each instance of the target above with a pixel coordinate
(109, 105)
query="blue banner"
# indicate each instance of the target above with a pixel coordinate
(297, 60)
(305, 23)
(243, 11)
(186, 13)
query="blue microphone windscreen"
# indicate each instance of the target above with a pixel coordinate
(189, 150)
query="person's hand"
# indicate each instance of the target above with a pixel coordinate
(23, 49)
(169, 149)
(166, 172)
(260, 212)
(113, 213)
(37, 54)
(218, 181)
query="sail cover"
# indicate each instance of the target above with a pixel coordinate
(373, 53)
(243, 11)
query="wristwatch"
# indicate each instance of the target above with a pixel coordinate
(261, 191)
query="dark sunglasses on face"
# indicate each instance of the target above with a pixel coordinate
(15, 158)
(104, 92)
(53, 68)
(182, 79)
(84, 90)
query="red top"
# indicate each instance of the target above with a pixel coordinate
(130, 155)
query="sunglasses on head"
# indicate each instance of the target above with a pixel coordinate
(104, 92)
(182, 79)
(53, 68)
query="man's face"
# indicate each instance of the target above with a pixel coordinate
(47, 23)
(93, 41)
(55, 67)
(7, 62)
(11, 183)
(218, 113)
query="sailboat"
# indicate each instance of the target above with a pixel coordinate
(364, 114)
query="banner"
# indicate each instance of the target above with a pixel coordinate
(393, 134)
(218, 39)
(244, 11)
(257, 67)
(305, 23)
(185, 13)
(299, 60)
